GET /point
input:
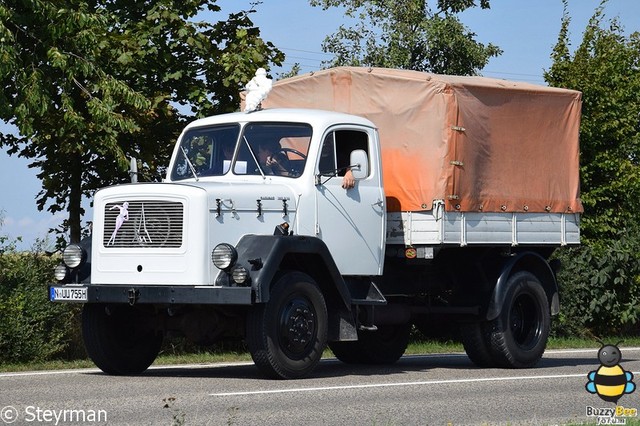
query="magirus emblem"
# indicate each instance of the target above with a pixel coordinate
(142, 235)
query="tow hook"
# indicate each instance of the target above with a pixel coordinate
(132, 295)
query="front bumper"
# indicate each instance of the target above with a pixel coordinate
(165, 295)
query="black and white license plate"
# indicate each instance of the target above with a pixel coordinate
(68, 294)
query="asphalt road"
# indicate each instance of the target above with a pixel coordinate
(418, 390)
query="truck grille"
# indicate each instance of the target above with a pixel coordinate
(143, 224)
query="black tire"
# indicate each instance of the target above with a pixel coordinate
(518, 337)
(383, 346)
(119, 339)
(475, 342)
(349, 352)
(287, 335)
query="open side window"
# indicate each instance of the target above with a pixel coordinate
(336, 151)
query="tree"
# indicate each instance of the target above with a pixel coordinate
(602, 278)
(606, 69)
(89, 83)
(408, 34)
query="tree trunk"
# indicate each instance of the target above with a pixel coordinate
(75, 198)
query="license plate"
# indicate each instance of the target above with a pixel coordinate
(68, 294)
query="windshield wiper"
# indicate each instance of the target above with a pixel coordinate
(189, 163)
(254, 157)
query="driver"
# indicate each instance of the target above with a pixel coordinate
(272, 158)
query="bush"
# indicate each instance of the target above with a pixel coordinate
(32, 328)
(600, 288)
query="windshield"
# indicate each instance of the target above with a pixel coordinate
(208, 152)
(263, 149)
(273, 149)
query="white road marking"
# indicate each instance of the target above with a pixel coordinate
(49, 372)
(385, 385)
(434, 382)
(97, 370)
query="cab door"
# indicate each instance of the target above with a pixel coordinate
(351, 222)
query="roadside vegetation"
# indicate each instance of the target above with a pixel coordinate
(38, 335)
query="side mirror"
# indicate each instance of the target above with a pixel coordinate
(359, 163)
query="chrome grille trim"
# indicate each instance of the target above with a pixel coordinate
(148, 223)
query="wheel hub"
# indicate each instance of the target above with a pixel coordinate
(297, 328)
(525, 321)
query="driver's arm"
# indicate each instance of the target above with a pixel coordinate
(348, 181)
(277, 164)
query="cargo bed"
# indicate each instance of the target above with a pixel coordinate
(441, 227)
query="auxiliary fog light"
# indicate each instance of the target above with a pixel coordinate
(73, 256)
(224, 256)
(60, 273)
(240, 275)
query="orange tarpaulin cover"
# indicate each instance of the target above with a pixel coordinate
(477, 143)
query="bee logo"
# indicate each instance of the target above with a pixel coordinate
(610, 381)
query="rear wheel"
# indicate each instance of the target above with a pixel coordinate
(287, 335)
(348, 352)
(119, 339)
(518, 336)
(476, 344)
(383, 346)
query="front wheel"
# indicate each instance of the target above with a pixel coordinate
(518, 337)
(287, 335)
(119, 339)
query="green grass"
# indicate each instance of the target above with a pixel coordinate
(47, 365)
(202, 358)
(630, 421)
(575, 343)
(163, 359)
(435, 347)
(205, 357)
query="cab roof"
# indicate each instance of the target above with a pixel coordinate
(314, 117)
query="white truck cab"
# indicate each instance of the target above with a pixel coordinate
(218, 199)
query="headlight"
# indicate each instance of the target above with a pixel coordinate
(224, 256)
(240, 275)
(60, 273)
(73, 256)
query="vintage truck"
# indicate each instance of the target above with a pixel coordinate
(464, 187)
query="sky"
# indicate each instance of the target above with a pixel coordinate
(526, 31)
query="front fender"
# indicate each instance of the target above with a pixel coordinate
(265, 255)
